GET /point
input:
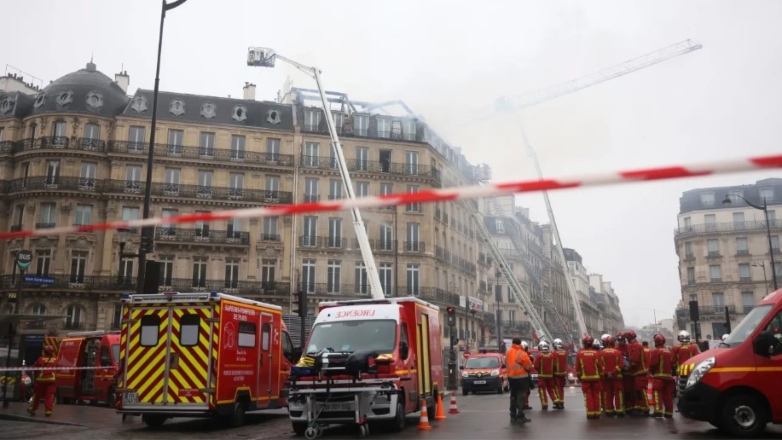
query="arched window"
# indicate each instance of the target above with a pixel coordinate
(38, 309)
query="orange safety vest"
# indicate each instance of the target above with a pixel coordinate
(518, 362)
(45, 375)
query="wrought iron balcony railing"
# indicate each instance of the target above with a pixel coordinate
(708, 228)
(201, 235)
(203, 153)
(368, 166)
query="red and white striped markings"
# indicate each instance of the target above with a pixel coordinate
(435, 195)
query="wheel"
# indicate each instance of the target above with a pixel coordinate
(319, 429)
(744, 416)
(362, 431)
(236, 419)
(310, 433)
(111, 398)
(299, 428)
(432, 409)
(399, 422)
(153, 420)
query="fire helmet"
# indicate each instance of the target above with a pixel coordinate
(587, 341)
(48, 349)
(659, 340)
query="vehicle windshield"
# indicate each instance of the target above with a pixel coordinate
(350, 336)
(483, 362)
(747, 325)
(115, 352)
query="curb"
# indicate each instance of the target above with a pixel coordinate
(29, 419)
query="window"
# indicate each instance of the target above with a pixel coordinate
(339, 121)
(741, 246)
(266, 330)
(52, 172)
(713, 247)
(308, 275)
(411, 162)
(311, 119)
(335, 233)
(204, 189)
(744, 272)
(150, 328)
(735, 196)
(169, 229)
(772, 216)
(166, 269)
(767, 193)
(362, 189)
(18, 216)
(235, 183)
(126, 271)
(413, 207)
(310, 157)
(499, 225)
(87, 176)
(189, 326)
(688, 249)
(130, 213)
(310, 225)
(91, 137)
(335, 189)
(270, 229)
(133, 179)
(413, 243)
(362, 158)
(268, 270)
(775, 243)
(272, 188)
(715, 271)
(707, 199)
(747, 301)
(206, 145)
(690, 275)
(199, 271)
(718, 299)
(385, 161)
(171, 186)
(59, 130)
(237, 147)
(117, 317)
(738, 219)
(287, 345)
(334, 271)
(246, 331)
(2, 134)
(383, 128)
(175, 138)
(360, 125)
(408, 130)
(48, 215)
(362, 282)
(386, 237)
(136, 138)
(310, 189)
(710, 220)
(73, 317)
(386, 273)
(78, 266)
(231, 273)
(413, 282)
(83, 215)
(272, 150)
(234, 227)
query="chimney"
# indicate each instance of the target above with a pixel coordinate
(249, 91)
(123, 80)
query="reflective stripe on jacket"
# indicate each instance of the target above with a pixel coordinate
(517, 362)
(45, 375)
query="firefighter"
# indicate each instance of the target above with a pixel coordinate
(544, 365)
(518, 366)
(648, 359)
(589, 374)
(683, 351)
(638, 370)
(627, 379)
(612, 388)
(560, 373)
(530, 385)
(44, 382)
(662, 366)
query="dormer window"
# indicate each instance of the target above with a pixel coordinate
(408, 130)
(767, 194)
(383, 128)
(707, 199)
(360, 125)
(339, 121)
(735, 196)
(311, 119)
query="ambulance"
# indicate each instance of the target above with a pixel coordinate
(398, 338)
(737, 387)
(87, 364)
(204, 354)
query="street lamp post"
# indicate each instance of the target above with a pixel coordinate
(763, 265)
(123, 235)
(763, 208)
(148, 232)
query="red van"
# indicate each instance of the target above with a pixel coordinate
(89, 364)
(737, 386)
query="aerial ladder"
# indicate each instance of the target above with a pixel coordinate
(536, 97)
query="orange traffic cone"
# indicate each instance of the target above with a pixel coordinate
(440, 410)
(423, 422)
(650, 393)
(453, 409)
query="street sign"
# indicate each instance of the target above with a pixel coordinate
(23, 259)
(37, 279)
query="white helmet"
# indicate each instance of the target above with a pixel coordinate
(524, 345)
(725, 337)
(684, 336)
(597, 345)
(558, 343)
(543, 346)
(604, 337)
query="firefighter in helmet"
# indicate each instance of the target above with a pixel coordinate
(44, 381)
(589, 374)
(560, 372)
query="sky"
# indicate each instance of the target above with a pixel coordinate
(450, 60)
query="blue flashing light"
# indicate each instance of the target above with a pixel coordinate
(124, 296)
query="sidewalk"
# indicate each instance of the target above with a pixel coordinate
(69, 415)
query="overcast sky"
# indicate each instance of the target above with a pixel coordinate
(449, 59)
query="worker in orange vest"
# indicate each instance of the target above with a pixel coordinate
(44, 381)
(518, 366)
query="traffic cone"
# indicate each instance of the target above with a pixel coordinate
(423, 422)
(453, 409)
(650, 393)
(440, 410)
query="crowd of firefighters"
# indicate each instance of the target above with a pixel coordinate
(614, 373)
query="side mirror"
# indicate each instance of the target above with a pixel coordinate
(766, 344)
(404, 350)
(295, 354)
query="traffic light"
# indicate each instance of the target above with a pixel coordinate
(454, 339)
(451, 312)
(301, 302)
(148, 242)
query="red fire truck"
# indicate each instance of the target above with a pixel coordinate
(368, 361)
(89, 364)
(201, 355)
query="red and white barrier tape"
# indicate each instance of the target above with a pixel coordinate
(446, 194)
(26, 369)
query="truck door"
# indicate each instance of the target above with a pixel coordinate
(146, 360)
(265, 358)
(424, 357)
(189, 357)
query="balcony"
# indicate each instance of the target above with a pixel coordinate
(734, 227)
(323, 243)
(371, 167)
(415, 247)
(200, 192)
(55, 183)
(708, 311)
(71, 325)
(202, 153)
(201, 235)
(6, 147)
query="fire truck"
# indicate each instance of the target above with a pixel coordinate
(367, 361)
(204, 354)
(88, 365)
(736, 387)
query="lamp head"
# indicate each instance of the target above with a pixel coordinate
(123, 235)
(727, 200)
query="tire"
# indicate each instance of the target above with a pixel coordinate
(236, 419)
(153, 420)
(299, 428)
(744, 416)
(400, 421)
(432, 410)
(111, 398)
(501, 389)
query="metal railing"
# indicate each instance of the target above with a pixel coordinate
(369, 166)
(203, 153)
(201, 235)
(706, 228)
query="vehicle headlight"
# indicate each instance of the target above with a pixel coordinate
(699, 371)
(465, 374)
(495, 373)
